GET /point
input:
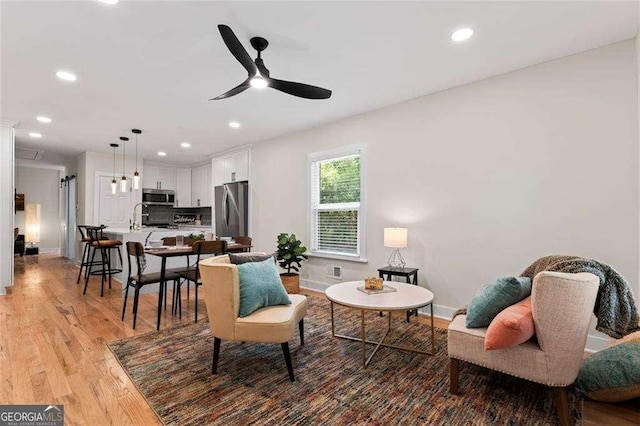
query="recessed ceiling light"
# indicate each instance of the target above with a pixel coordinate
(234, 124)
(185, 144)
(462, 34)
(109, 1)
(162, 153)
(35, 135)
(66, 75)
(43, 119)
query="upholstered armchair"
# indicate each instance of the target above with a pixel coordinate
(18, 242)
(272, 324)
(562, 308)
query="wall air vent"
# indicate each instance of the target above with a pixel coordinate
(29, 154)
(334, 271)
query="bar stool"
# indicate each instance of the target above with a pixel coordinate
(106, 246)
(86, 252)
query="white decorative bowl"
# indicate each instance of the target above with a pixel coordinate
(155, 243)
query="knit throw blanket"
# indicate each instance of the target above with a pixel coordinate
(615, 308)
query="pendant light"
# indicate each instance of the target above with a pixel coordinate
(136, 175)
(123, 181)
(114, 184)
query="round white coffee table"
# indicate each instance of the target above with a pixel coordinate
(406, 297)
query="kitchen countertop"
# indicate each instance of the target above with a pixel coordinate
(126, 231)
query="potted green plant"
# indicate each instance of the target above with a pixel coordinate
(290, 256)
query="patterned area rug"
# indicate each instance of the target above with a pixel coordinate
(172, 369)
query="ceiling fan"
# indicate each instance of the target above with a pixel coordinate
(259, 74)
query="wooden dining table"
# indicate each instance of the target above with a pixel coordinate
(176, 251)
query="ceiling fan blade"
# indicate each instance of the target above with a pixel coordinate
(299, 89)
(236, 49)
(238, 89)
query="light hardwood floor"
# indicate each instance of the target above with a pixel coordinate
(53, 348)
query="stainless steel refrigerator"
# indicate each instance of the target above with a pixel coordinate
(232, 209)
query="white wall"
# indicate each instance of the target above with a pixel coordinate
(6, 205)
(488, 177)
(88, 163)
(41, 186)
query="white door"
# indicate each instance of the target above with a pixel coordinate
(114, 209)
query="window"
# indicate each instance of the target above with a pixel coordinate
(337, 203)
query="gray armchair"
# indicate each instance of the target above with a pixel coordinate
(562, 308)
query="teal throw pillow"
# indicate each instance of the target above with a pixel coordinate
(260, 286)
(612, 374)
(491, 299)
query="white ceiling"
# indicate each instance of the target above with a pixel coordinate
(153, 65)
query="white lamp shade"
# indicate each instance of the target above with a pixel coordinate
(395, 237)
(32, 222)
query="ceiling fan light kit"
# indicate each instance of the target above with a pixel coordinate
(258, 74)
(123, 181)
(114, 183)
(136, 175)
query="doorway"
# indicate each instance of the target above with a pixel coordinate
(112, 210)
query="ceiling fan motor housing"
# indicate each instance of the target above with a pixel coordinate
(259, 43)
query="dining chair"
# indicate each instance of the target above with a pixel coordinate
(199, 248)
(139, 280)
(244, 240)
(171, 241)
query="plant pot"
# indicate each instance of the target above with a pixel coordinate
(291, 282)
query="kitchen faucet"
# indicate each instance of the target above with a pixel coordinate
(133, 224)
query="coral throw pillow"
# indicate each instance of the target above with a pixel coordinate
(512, 326)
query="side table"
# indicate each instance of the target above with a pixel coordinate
(31, 250)
(410, 274)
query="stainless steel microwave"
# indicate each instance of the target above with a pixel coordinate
(158, 197)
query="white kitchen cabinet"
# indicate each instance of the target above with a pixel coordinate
(150, 176)
(183, 187)
(231, 167)
(158, 176)
(217, 171)
(167, 178)
(201, 186)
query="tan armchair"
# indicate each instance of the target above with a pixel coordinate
(273, 324)
(562, 308)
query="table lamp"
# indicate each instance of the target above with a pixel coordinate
(395, 238)
(32, 223)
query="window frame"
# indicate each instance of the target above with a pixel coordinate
(336, 154)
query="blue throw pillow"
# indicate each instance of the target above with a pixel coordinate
(260, 286)
(611, 375)
(491, 299)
